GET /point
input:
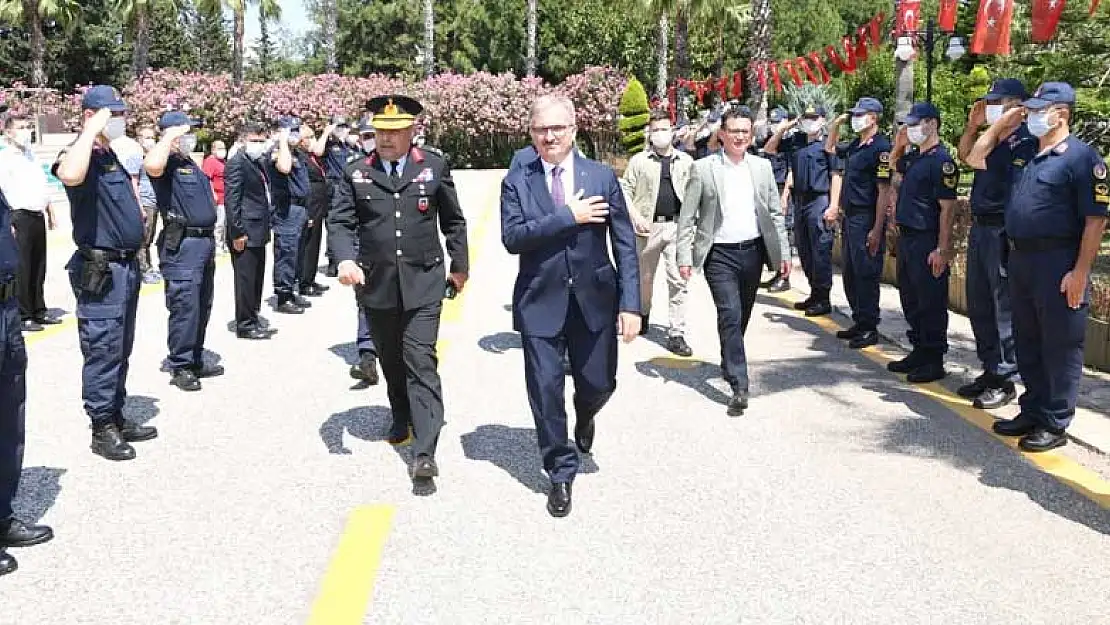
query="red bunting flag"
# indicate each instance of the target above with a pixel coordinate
(992, 29)
(848, 66)
(908, 18)
(775, 76)
(788, 65)
(815, 58)
(1046, 15)
(737, 85)
(946, 18)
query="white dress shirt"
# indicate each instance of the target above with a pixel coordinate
(567, 176)
(23, 180)
(738, 219)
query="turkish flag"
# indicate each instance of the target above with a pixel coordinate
(992, 28)
(1046, 15)
(946, 18)
(908, 18)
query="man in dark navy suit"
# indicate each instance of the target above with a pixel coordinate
(559, 213)
(523, 156)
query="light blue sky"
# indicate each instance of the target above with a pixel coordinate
(293, 17)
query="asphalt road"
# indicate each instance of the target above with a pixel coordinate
(842, 496)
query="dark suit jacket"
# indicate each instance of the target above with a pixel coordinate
(248, 208)
(393, 230)
(557, 254)
(523, 156)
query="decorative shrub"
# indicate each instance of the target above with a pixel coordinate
(634, 117)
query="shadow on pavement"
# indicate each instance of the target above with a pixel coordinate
(140, 409)
(516, 452)
(500, 342)
(694, 374)
(39, 488)
(348, 352)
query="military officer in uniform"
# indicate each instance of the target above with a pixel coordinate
(332, 146)
(186, 247)
(780, 166)
(289, 194)
(366, 370)
(13, 399)
(384, 229)
(1055, 218)
(809, 183)
(926, 203)
(104, 274)
(997, 161)
(860, 199)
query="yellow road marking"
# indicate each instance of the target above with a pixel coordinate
(1065, 470)
(348, 586)
(349, 583)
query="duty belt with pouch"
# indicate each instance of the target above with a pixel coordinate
(174, 231)
(96, 274)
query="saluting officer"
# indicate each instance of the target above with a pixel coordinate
(336, 152)
(780, 166)
(861, 197)
(365, 370)
(926, 204)
(997, 160)
(108, 230)
(809, 183)
(384, 233)
(13, 400)
(288, 194)
(186, 247)
(1054, 220)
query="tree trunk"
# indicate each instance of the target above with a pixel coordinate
(681, 54)
(719, 62)
(140, 56)
(429, 38)
(530, 62)
(331, 27)
(237, 49)
(662, 48)
(760, 38)
(903, 87)
(38, 42)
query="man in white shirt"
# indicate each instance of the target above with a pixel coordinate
(731, 224)
(23, 182)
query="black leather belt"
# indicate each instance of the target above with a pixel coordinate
(664, 219)
(743, 245)
(909, 232)
(7, 290)
(200, 233)
(1043, 244)
(112, 255)
(993, 220)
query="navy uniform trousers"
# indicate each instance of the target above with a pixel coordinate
(106, 330)
(13, 398)
(364, 339)
(924, 297)
(190, 275)
(988, 300)
(593, 364)
(288, 256)
(862, 271)
(814, 239)
(1049, 334)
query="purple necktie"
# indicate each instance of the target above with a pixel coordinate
(557, 186)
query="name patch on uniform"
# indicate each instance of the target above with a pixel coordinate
(186, 171)
(422, 204)
(1100, 171)
(1019, 162)
(110, 167)
(424, 176)
(356, 176)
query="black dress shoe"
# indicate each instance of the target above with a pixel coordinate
(207, 371)
(912, 361)
(109, 443)
(400, 434)
(30, 325)
(995, 397)
(7, 563)
(584, 434)
(558, 500)
(849, 333)
(424, 467)
(135, 433)
(678, 346)
(738, 404)
(929, 372)
(320, 287)
(976, 387)
(804, 304)
(185, 380)
(643, 325)
(47, 320)
(1042, 439)
(864, 339)
(779, 286)
(254, 334)
(366, 370)
(302, 302)
(16, 533)
(289, 307)
(311, 291)
(1018, 426)
(820, 309)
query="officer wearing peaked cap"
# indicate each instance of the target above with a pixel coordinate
(384, 227)
(1055, 217)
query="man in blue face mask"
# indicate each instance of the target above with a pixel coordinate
(1054, 221)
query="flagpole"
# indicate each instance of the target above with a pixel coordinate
(930, 44)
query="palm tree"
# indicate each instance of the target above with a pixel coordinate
(530, 62)
(331, 27)
(139, 11)
(238, 8)
(35, 15)
(760, 35)
(429, 38)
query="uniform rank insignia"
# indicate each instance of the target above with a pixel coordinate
(884, 157)
(1099, 171)
(1102, 193)
(948, 168)
(1019, 162)
(1060, 149)
(424, 176)
(950, 177)
(422, 204)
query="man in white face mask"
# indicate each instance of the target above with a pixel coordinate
(23, 183)
(926, 203)
(654, 183)
(997, 159)
(108, 230)
(1054, 220)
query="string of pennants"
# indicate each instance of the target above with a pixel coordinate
(852, 50)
